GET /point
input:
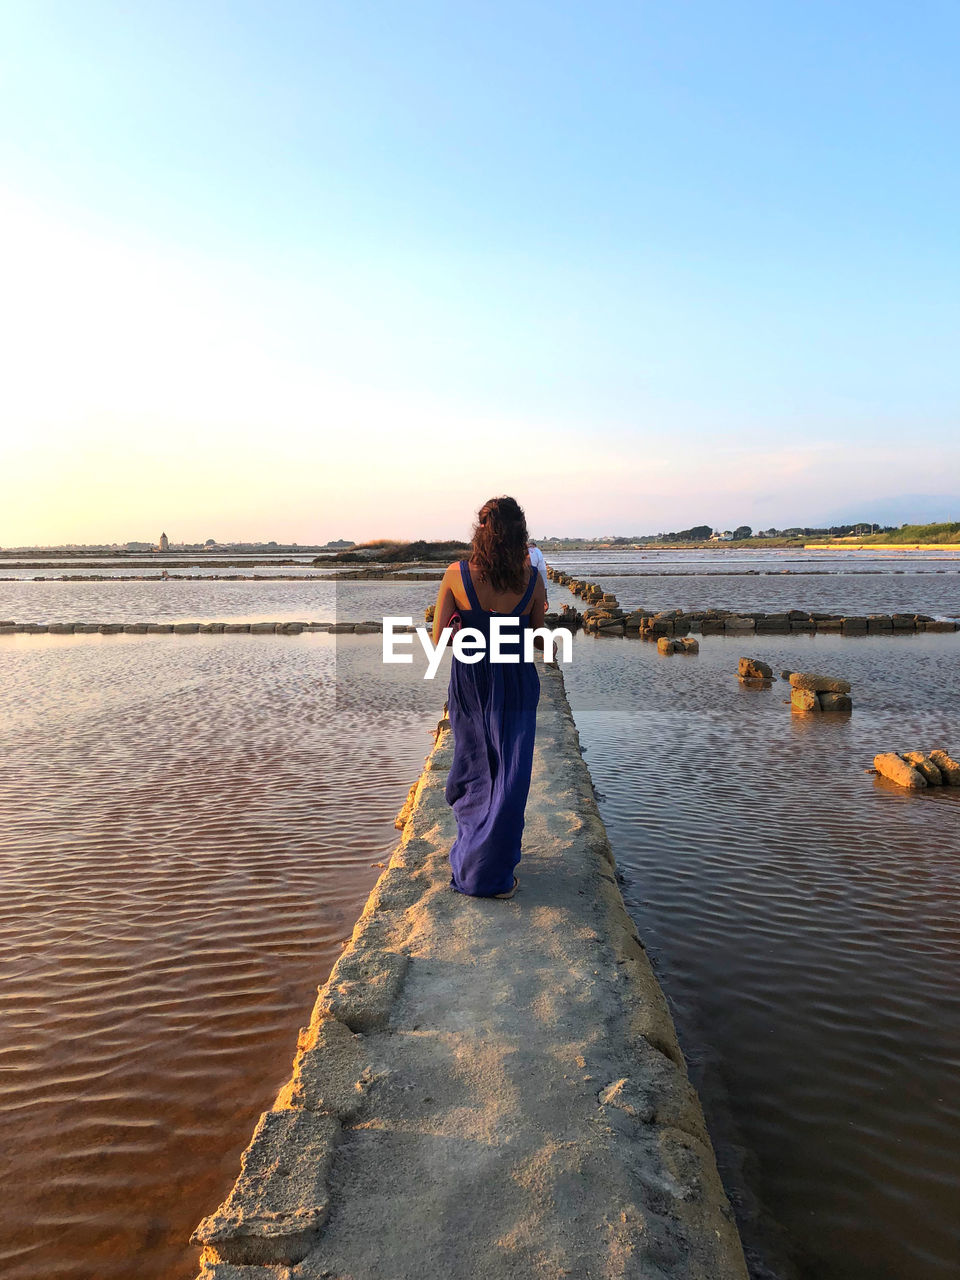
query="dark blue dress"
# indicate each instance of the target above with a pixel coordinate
(492, 707)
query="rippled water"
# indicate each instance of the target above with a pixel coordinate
(796, 560)
(176, 601)
(187, 827)
(937, 594)
(804, 919)
(186, 836)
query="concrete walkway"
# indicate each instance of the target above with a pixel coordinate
(487, 1088)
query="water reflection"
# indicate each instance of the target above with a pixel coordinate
(804, 921)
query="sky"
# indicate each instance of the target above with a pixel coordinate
(302, 271)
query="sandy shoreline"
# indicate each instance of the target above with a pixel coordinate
(486, 1089)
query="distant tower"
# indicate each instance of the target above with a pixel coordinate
(164, 542)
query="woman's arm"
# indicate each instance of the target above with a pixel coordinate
(539, 605)
(446, 605)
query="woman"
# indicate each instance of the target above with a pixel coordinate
(492, 705)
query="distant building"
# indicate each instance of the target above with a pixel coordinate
(164, 543)
(341, 544)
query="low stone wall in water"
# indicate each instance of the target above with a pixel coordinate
(190, 628)
(604, 614)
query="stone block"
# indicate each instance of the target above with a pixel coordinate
(854, 626)
(949, 768)
(804, 700)
(263, 628)
(186, 628)
(878, 622)
(739, 622)
(839, 702)
(687, 645)
(819, 684)
(893, 767)
(278, 1205)
(773, 624)
(331, 1071)
(363, 986)
(754, 669)
(925, 767)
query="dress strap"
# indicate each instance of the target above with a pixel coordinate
(470, 588)
(534, 574)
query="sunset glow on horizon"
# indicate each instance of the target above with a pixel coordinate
(348, 272)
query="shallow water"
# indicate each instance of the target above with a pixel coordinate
(186, 831)
(185, 601)
(186, 836)
(933, 593)
(804, 920)
(795, 560)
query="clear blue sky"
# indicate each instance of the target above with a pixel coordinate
(308, 270)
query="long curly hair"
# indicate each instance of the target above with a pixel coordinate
(500, 544)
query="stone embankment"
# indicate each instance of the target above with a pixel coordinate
(346, 575)
(486, 1089)
(192, 628)
(604, 614)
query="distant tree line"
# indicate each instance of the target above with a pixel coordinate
(699, 533)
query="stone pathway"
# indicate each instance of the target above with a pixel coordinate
(487, 1088)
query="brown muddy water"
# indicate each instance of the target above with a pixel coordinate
(186, 836)
(804, 920)
(187, 827)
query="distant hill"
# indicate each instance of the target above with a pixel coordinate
(385, 551)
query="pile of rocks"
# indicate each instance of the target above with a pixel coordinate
(568, 617)
(814, 693)
(687, 645)
(604, 615)
(914, 770)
